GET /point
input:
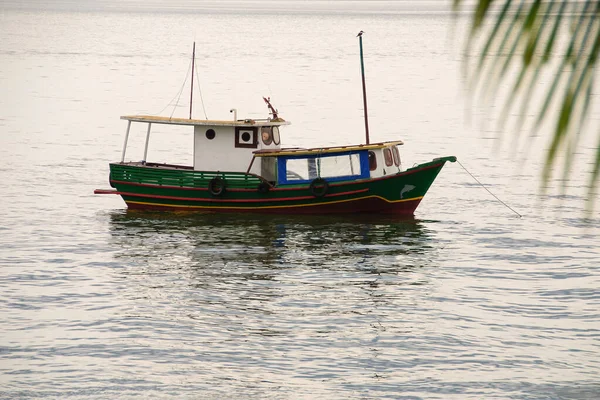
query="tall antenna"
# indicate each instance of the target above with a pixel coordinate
(192, 88)
(362, 68)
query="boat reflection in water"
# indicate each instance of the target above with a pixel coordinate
(238, 279)
(214, 242)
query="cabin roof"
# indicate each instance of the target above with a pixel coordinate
(203, 122)
(323, 150)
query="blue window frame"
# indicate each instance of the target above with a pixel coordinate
(333, 167)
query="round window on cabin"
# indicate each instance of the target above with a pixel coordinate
(387, 155)
(372, 161)
(396, 154)
(210, 134)
(275, 135)
(246, 136)
(266, 135)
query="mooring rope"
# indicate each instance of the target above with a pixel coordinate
(483, 186)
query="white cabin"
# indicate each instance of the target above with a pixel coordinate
(221, 145)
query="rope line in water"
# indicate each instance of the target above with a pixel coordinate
(483, 186)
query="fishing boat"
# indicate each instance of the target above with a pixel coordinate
(239, 165)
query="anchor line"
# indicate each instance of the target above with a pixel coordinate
(483, 186)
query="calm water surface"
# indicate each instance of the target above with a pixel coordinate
(465, 301)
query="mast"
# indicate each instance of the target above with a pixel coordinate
(362, 69)
(192, 86)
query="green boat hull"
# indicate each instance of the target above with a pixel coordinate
(158, 187)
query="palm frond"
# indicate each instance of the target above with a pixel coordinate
(529, 35)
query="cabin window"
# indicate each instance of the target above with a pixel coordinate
(387, 155)
(396, 154)
(372, 161)
(275, 134)
(330, 167)
(334, 167)
(246, 137)
(266, 135)
(297, 169)
(210, 134)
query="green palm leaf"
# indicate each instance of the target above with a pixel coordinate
(525, 34)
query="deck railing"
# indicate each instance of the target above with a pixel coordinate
(153, 175)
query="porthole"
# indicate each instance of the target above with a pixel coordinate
(210, 134)
(266, 135)
(275, 135)
(246, 137)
